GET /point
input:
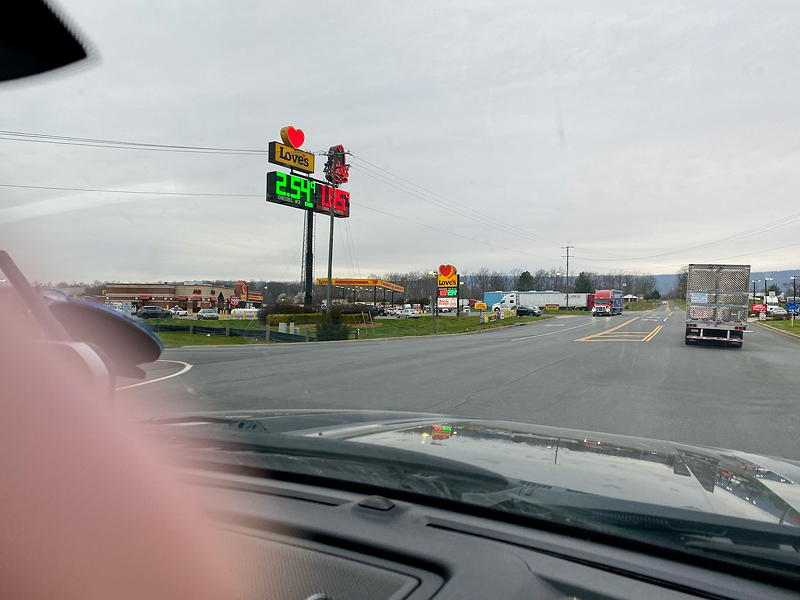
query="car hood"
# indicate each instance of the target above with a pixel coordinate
(713, 480)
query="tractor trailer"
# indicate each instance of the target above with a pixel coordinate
(717, 303)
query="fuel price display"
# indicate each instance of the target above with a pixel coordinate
(302, 192)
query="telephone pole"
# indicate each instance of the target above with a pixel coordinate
(567, 248)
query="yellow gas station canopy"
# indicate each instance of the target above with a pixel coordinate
(387, 285)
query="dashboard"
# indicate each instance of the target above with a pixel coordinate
(305, 542)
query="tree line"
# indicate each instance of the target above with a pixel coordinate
(421, 285)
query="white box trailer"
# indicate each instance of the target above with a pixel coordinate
(540, 299)
(578, 301)
(717, 303)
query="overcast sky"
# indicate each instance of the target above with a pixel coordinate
(626, 129)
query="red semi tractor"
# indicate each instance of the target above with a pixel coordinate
(607, 303)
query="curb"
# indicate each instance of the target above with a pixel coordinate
(795, 336)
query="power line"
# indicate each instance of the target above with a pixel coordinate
(229, 195)
(412, 192)
(447, 232)
(142, 192)
(376, 172)
(442, 201)
(21, 136)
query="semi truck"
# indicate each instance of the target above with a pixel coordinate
(577, 301)
(607, 303)
(717, 303)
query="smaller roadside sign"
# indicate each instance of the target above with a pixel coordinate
(234, 301)
(480, 305)
(792, 307)
(762, 316)
(759, 308)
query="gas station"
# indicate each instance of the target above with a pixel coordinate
(359, 285)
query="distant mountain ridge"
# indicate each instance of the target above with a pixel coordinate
(665, 283)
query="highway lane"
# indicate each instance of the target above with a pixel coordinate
(629, 374)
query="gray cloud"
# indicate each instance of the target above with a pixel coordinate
(628, 129)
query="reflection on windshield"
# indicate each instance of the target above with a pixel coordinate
(731, 484)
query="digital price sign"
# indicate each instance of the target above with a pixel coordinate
(448, 292)
(302, 192)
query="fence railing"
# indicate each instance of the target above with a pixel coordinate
(254, 334)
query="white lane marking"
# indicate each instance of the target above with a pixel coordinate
(527, 337)
(186, 367)
(555, 325)
(665, 318)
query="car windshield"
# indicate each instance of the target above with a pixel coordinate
(587, 210)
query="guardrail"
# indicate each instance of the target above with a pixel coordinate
(254, 334)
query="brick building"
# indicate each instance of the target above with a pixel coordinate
(191, 296)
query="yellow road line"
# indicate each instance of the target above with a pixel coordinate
(598, 334)
(613, 339)
(653, 333)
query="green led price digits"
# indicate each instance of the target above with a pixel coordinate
(299, 188)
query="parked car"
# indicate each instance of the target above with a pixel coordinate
(777, 312)
(177, 311)
(408, 313)
(153, 312)
(528, 311)
(207, 314)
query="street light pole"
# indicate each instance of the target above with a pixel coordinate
(766, 279)
(434, 298)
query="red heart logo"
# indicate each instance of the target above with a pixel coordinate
(293, 137)
(447, 271)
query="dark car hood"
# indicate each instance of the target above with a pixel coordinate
(713, 480)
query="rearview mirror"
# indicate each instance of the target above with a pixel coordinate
(123, 341)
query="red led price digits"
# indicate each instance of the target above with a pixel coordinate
(341, 200)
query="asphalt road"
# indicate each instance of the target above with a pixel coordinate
(630, 374)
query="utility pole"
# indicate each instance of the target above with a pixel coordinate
(567, 248)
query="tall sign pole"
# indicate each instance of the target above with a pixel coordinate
(329, 287)
(336, 172)
(567, 248)
(308, 296)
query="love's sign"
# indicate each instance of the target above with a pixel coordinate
(448, 277)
